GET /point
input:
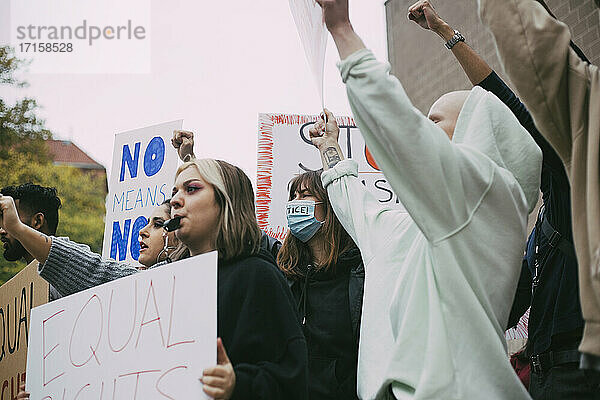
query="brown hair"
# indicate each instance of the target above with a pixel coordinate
(237, 231)
(293, 251)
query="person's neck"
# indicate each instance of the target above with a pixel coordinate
(317, 249)
(28, 257)
(201, 248)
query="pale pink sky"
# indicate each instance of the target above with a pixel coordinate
(214, 64)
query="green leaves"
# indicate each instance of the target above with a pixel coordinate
(21, 131)
(81, 216)
(24, 158)
(9, 64)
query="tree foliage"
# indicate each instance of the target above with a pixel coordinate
(81, 216)
(9, 64)
(24, 158)
(21, 130)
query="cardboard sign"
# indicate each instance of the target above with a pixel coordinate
(285, 150)
(17, 297)
(145, 336)
(143, 171)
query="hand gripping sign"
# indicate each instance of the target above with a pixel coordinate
(145, 336)
(141, 178)
(308, 16)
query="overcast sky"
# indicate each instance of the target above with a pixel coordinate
(214, 64)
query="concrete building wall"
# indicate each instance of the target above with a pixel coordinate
(427, 69)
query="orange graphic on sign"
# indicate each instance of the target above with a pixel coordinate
(370, 159)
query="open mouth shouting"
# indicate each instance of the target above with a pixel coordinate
(143, 246)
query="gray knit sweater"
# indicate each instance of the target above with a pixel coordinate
(72, 267)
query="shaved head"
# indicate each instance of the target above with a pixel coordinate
(444, 112)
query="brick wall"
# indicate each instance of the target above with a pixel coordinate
(427, 69)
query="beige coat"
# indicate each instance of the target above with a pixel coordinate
(563, 95)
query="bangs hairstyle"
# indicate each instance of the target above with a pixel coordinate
(238, 234)
(294, 252)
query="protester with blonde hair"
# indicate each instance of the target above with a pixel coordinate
(261, 350)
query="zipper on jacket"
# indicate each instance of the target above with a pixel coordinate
(305, 294)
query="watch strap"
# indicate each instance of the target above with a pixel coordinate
(458, 37)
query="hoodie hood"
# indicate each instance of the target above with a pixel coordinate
(488, 125)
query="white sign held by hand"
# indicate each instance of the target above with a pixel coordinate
(308, 16)
(143, 170)
(146, 336)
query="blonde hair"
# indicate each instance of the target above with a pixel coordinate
(237, 230)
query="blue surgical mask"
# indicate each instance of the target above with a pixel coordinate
(301, 219)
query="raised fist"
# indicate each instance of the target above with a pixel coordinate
(322, 133)
(183, 142)
(423, 13)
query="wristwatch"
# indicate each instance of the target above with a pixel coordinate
(458, 37)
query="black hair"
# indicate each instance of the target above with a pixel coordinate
(35, 199)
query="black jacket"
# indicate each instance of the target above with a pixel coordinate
(555, 320)
(329, 307)
(261, 334)
(270, 244)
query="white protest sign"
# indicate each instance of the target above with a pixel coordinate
(145, 336)
(142, 175)
(308, 17)
(285, 150)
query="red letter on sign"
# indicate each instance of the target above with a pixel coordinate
(45, 355)
(157, 319)
(171, 321)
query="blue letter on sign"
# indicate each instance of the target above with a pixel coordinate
(119, 240)
(139, 223)
(154, 156)
(132, 162)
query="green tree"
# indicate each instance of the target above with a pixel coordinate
(81, 216)
(21, 130)
(24, 158)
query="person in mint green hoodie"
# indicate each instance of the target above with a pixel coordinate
(440, 278)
